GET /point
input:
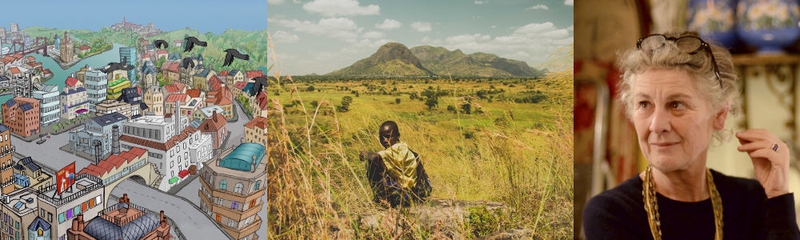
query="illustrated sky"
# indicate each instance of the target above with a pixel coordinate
(202, 15)
(321, 36)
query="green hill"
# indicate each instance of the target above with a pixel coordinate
(391, 60)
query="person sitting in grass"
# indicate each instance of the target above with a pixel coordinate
(396, 174)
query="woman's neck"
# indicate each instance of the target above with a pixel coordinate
(688, 185)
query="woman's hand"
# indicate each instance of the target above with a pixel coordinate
(771, 165)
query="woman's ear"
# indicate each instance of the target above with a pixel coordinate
(719, 119)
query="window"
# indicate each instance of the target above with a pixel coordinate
(235, 205)
(173, 173)
(61, 218)
(172, 164)
(50, 217)
(238, 188)
(41, 233)
(76, 210)
(257, 186)
(247, 221)
(223, 185)
(219, 201)
(230, 223)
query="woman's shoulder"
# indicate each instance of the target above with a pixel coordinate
(626, 196)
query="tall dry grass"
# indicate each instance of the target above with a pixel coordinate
(317, 186)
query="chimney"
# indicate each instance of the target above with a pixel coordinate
(177, 117)
(115, 140)
(98, 152)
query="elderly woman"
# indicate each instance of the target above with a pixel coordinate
(678, 90)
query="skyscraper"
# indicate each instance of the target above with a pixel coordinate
(128, 54)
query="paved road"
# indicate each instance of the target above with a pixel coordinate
(236, 129)
(48, 152)
(190, 220)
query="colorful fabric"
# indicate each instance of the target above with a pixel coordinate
(401, 164)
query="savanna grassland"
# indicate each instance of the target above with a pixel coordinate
(496, 140)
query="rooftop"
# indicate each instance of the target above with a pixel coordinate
(257, 122)
(109, 119)
(244, 157)
(23, 202)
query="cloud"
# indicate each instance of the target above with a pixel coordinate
(340, 28)
(569, 2)
(538, 7)
(274, 2)
(332, 8)
(388, 24)
(480, 2)
(421, 26)
(285, 37)
(373, 35)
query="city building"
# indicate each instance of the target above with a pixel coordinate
(217, 127)
(81, 74)
(171, 144)
(128, 55)
(129, 103)
(96, 87)
(188, 107)
(255, 131)
(121, 221)
(222, 98)
(20, 210)
(6, 171)
(48, 104)
(223, 77)
(154, 99)
(86, 196)
(260, 105)
(21, 80)
(171, 70)
(67, 48)
(74, 102)
(201, 78)
(233, 187)
(214, 83)
(57, 42)
(29, 174)
(235, 76)
(118, 165)
(21, 115)
(115, 87)
(149, 75)
(96, 134)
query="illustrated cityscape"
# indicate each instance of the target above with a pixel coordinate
(139, 142)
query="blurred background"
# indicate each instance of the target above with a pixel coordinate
(761, 34)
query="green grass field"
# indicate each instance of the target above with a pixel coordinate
(505, 150)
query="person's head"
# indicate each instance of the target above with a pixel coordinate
(671, 93)
(389, 134)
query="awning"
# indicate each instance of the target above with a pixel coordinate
(81, 111)
(173, 180)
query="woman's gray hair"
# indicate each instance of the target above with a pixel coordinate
(699, 66)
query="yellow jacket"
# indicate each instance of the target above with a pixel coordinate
(401, 164)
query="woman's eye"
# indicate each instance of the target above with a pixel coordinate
(676, 105)
(643, 104)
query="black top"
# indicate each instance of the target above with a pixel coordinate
(747, 213)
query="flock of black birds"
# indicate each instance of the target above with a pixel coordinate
(189, 43)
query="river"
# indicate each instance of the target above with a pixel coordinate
(59, 75)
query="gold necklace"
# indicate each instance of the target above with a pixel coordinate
(651, 204)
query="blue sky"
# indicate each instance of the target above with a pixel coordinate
(202, 15)
(320, 36)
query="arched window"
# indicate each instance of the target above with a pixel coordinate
(238, 188)
(258, 185)
(41, 232)
(223, 185)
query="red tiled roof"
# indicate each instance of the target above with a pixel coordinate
(8, 59)
(172, 88)
(71, 81)
(259, 121)
(84, 47)
(113, 161)
(18, 56)
(157, 145)
(223, 73)
(253, 74)
(177, 97)
(47, 71)
(32, 64)
(180, 85)
(174, 67)
(215, 83)
(214, 123)
(194, 93)
(31, 58)
(15, 70)
(161, 52)
(262, 100)
(146, 55)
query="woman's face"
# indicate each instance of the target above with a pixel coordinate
(673, 120)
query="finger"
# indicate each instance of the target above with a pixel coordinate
(752, 146)
(752, 135)
(772, 156)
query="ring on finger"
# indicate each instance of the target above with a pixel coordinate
(775, 147)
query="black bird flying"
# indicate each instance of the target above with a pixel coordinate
(261, 83)
(189, 42)
(161, 44)
(186, 62)
(114, 66)
(231, 53)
